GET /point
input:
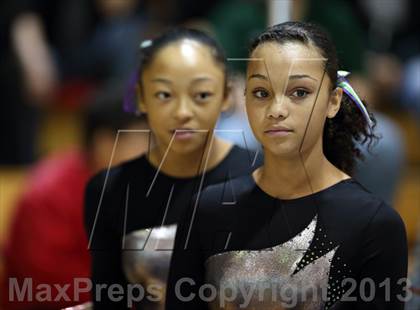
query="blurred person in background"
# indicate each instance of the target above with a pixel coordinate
(109, 53)
(27, 80)
(181, 86)
(55, 52)
(47, 242)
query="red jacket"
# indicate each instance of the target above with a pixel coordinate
(47, 241)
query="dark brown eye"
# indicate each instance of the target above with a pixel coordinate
(163, 95)
(300, 93)
(202, 96)
(260, 93)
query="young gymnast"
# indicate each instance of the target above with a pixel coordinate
(299, 232)
(182, 87)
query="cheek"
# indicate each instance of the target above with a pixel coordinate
(157, 119)
(207, 119)
(314, 124)
(310, 111)
(318, 115)
(256, 118)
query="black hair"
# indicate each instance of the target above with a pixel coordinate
(149, 48)
(349, 126)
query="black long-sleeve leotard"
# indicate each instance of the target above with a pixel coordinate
(341, 248)
(135, 196)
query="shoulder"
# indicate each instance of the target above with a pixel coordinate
(386, 222)
(384, 242)
(354, 208)
(351, 197)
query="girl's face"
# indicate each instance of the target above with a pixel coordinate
(288, 97)
(183, 95)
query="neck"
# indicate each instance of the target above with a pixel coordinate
(192, 163)
(297, 176)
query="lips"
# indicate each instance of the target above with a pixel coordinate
(182, 130)
(183, 133)
(278, 131)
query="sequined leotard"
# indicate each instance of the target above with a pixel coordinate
(340, 248)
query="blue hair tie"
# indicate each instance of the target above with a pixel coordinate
(344, 84)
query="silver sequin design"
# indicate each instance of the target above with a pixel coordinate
(285, 276)
(146, 258)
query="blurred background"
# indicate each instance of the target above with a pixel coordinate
(63, 70)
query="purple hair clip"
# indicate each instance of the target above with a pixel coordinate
(130, 95)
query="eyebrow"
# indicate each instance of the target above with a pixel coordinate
(161, 80)
(301, 76)
(199, 79)
(291, 77)
(257, 76)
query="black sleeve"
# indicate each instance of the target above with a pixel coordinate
(384, 263)
(186, 273)
(105, 249)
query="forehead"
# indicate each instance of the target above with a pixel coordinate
(287, 58)
(185, 58)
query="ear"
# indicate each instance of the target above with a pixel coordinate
(334, 103)
(140, 101)
(227, 98)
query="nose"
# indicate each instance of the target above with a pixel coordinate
(278, 108)
(183, 110)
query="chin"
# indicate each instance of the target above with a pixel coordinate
(187, 148)
(282, 150)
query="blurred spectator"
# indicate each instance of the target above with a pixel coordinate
(110, 51)
(34, 37)
(47, 242)
(46, 47)
(26, 78)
